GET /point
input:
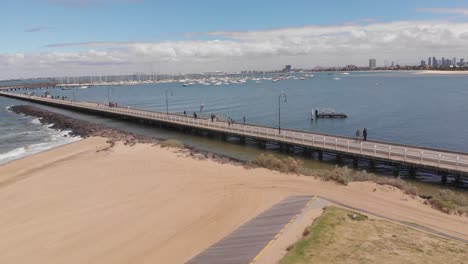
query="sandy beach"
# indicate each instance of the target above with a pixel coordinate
(442, 72)
(147, 204)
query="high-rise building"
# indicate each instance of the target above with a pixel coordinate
(372, 64)
(434, 61)
(287, 68)
(429, 60)
(454, 61)
(393, 64)
(423, 63)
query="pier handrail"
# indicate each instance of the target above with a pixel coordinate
(455, 161)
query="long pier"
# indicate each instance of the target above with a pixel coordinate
(25, 86)
(443, 162)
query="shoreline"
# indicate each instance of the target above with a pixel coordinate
(85, 129)
(436, 72)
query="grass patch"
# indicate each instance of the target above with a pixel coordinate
(284, 165)
(343, 236)
(172, 143)
(450, 202)
(342, 175)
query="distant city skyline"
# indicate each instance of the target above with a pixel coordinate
(97, 37)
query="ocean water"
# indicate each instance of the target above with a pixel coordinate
(21, 136)
(400, 107)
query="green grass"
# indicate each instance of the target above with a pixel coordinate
(450, 202)
(343, 236)
(318, 231)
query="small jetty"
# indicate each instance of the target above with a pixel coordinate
(326, 113)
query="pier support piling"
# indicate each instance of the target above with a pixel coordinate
(444, 178)
(355, 161)
(371, 165)
(320, 155)
(458, 180)
(242, 140)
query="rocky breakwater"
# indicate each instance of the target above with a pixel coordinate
(80, 128)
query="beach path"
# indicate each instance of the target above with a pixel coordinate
(247, 243)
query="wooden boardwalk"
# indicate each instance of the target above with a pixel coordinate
(248, 241)
(443, 160)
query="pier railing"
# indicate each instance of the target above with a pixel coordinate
(433, 158)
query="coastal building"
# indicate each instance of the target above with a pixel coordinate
(287, 68)
(423, 63)
(372, 64)
(429, 60)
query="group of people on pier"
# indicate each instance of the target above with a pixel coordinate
(364, 135)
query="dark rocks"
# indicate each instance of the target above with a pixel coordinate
(81, 128)
(86, 129)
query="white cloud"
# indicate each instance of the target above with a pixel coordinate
(307, 46)
(458, 11)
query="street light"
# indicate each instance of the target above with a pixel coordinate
(73, 88)
(167, 100)
(108, 96)
(279, 110)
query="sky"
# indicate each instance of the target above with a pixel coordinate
(46, 38)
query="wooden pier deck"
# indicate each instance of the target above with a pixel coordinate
(414, 156)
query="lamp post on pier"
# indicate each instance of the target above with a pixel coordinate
(279, 110)
(167, 100)
(108, 96)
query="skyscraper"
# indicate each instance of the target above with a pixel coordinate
(429, 61)
(434, 61)
(372, 64)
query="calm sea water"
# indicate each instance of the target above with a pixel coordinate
(425, 110)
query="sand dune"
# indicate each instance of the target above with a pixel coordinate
(144, 204)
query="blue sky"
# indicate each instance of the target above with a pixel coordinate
(108, 21)
(29, 27)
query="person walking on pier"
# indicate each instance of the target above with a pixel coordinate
(364, 134)
(195, 115)
(358, 135)
(185, 113)
(243, 118)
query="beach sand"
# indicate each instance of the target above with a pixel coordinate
(442, 72)
(146, 204)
